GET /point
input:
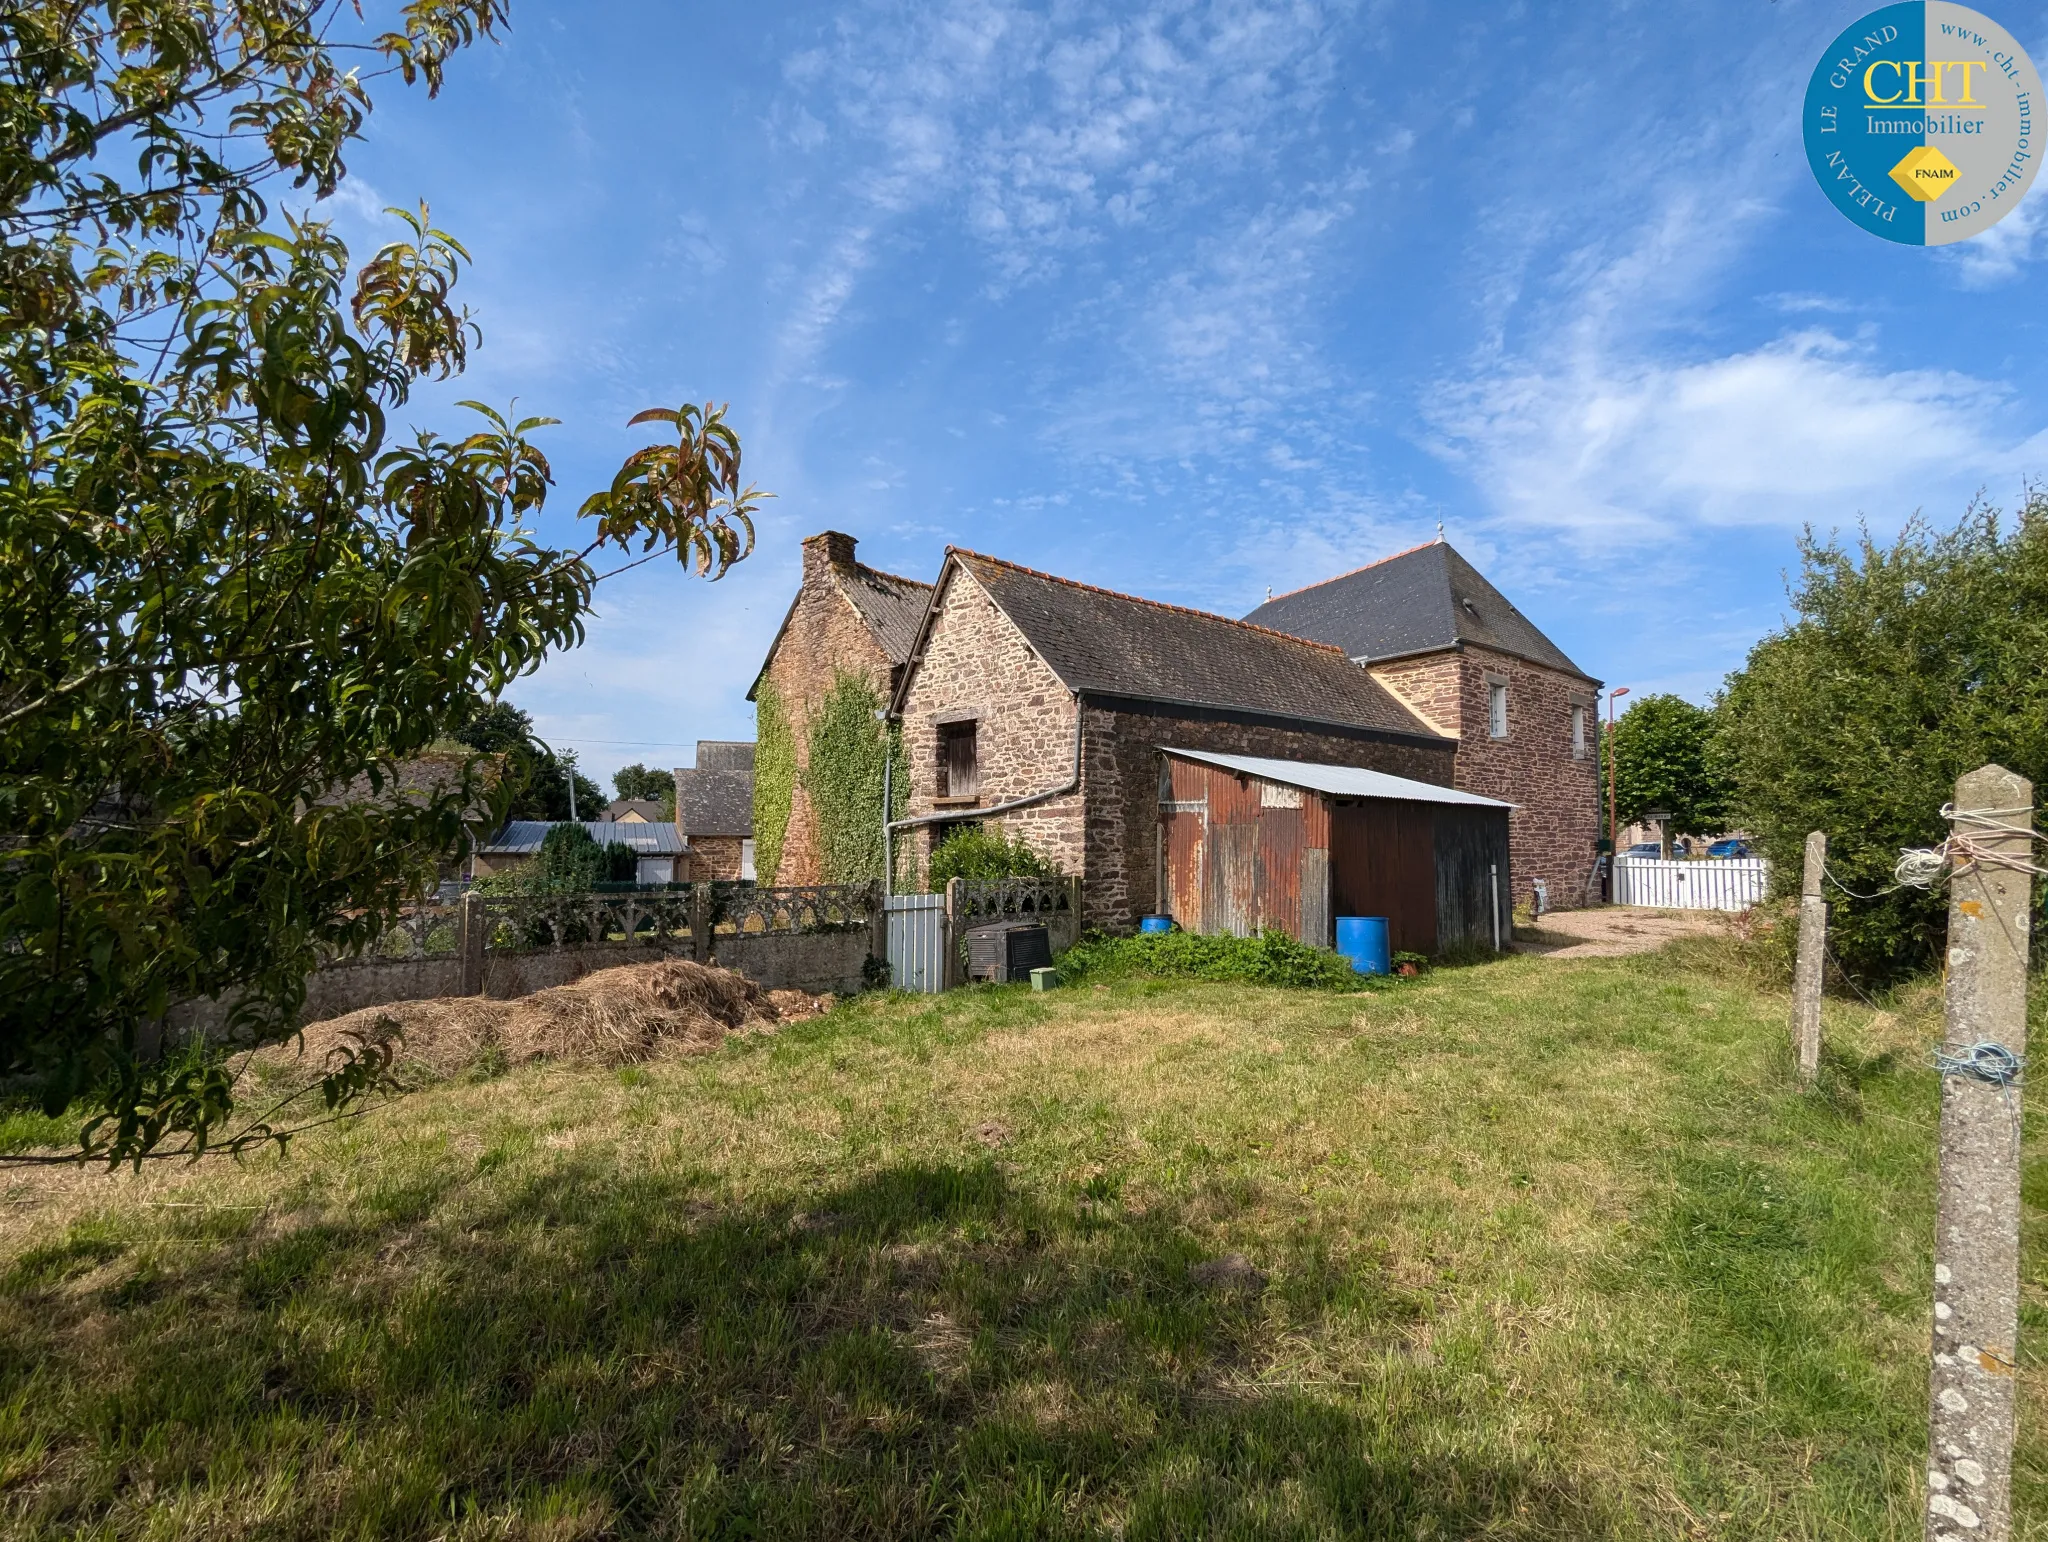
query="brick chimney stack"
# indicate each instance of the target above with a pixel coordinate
(826, 550)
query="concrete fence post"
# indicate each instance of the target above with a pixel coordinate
(949, 937)
(1977, 1207)
(1808, 975)
(700, 922)
(474, 936)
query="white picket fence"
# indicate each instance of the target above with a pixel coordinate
(1710, 883)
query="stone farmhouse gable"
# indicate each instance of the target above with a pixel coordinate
(1041, 704)
(847, 618)
(1427, 625)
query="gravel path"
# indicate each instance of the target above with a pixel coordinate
(1612, 931)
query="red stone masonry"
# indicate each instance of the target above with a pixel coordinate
(1556, 820)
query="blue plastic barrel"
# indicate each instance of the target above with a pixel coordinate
(1155, 923)
(1363, 940)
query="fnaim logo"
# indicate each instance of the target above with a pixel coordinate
(1920, 123)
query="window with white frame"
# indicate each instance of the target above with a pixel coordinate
(1578, 732)
(1497, 708)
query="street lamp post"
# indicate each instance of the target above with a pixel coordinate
(1613, 830)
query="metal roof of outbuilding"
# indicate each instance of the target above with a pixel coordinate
(522, 837)
(1339, 781)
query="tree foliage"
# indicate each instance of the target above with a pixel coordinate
(1906, 665)
(1664, 758)
(642, 782)
(228, 590)
(533, 780)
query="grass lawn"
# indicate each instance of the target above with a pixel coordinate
(1542, 1249)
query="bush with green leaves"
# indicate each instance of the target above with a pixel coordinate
(228, 594)
(986, 856)
(1906, 664)
(849, 750)
(1273, 958)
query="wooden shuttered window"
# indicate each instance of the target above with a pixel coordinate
(959, 771)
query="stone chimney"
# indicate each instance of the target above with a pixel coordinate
(827, 550)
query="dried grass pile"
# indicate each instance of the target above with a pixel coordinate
(613, 1017)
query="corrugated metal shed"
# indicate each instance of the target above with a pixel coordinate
(522, 837)
(1248, 843)
(1338, 781)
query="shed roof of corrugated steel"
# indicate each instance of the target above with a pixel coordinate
(1340, 781)
(522, 837)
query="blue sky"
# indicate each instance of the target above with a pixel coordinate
(1194, 299)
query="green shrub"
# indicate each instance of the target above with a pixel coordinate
(985, 855)
(1272, 959)
(1906, 665)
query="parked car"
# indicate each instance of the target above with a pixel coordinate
(1644, 849)
(1734, 846)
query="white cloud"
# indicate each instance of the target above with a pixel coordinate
(1806, 428)
(2002, 253)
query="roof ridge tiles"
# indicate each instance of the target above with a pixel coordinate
(1362, 568)
(1138, 599)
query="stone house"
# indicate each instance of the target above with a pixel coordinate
(1427, 626)
(715, 810)
(635, 811)
(1044, 704)
(847, 619)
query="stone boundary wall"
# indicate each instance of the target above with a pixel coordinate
(808, 961)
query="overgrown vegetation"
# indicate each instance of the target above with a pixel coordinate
(849, 750)
(1665, 757)
(1906, 665)
(986, 855)
(230, 607)
(1535, 1250)
(774, 779)
(1273, 958)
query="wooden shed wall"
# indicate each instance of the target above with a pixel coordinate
(1471, 844)
(1383, 863)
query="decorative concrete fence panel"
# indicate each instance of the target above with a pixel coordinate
(817, 939)
(1709, 883)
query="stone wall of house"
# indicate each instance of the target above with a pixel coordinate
(1120, 780)
(713, 856)
(824, 638)
(1556, 795)
(978, 665)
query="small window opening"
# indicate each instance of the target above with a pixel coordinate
(959, 770)
(1578, 733)
(1497, 709)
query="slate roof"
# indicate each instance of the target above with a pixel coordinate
(716, 802)
(522, 837)
(1417, 601)
(1103, 643)
(892, 607)
(1340, 781)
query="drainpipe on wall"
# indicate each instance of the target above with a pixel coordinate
(1073, 782)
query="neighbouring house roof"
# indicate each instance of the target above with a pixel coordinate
(1417, 601)
(715, 802)
(1103, 643)
(892, 607)
(1339, 781)
(522, 837)
(648, 810)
